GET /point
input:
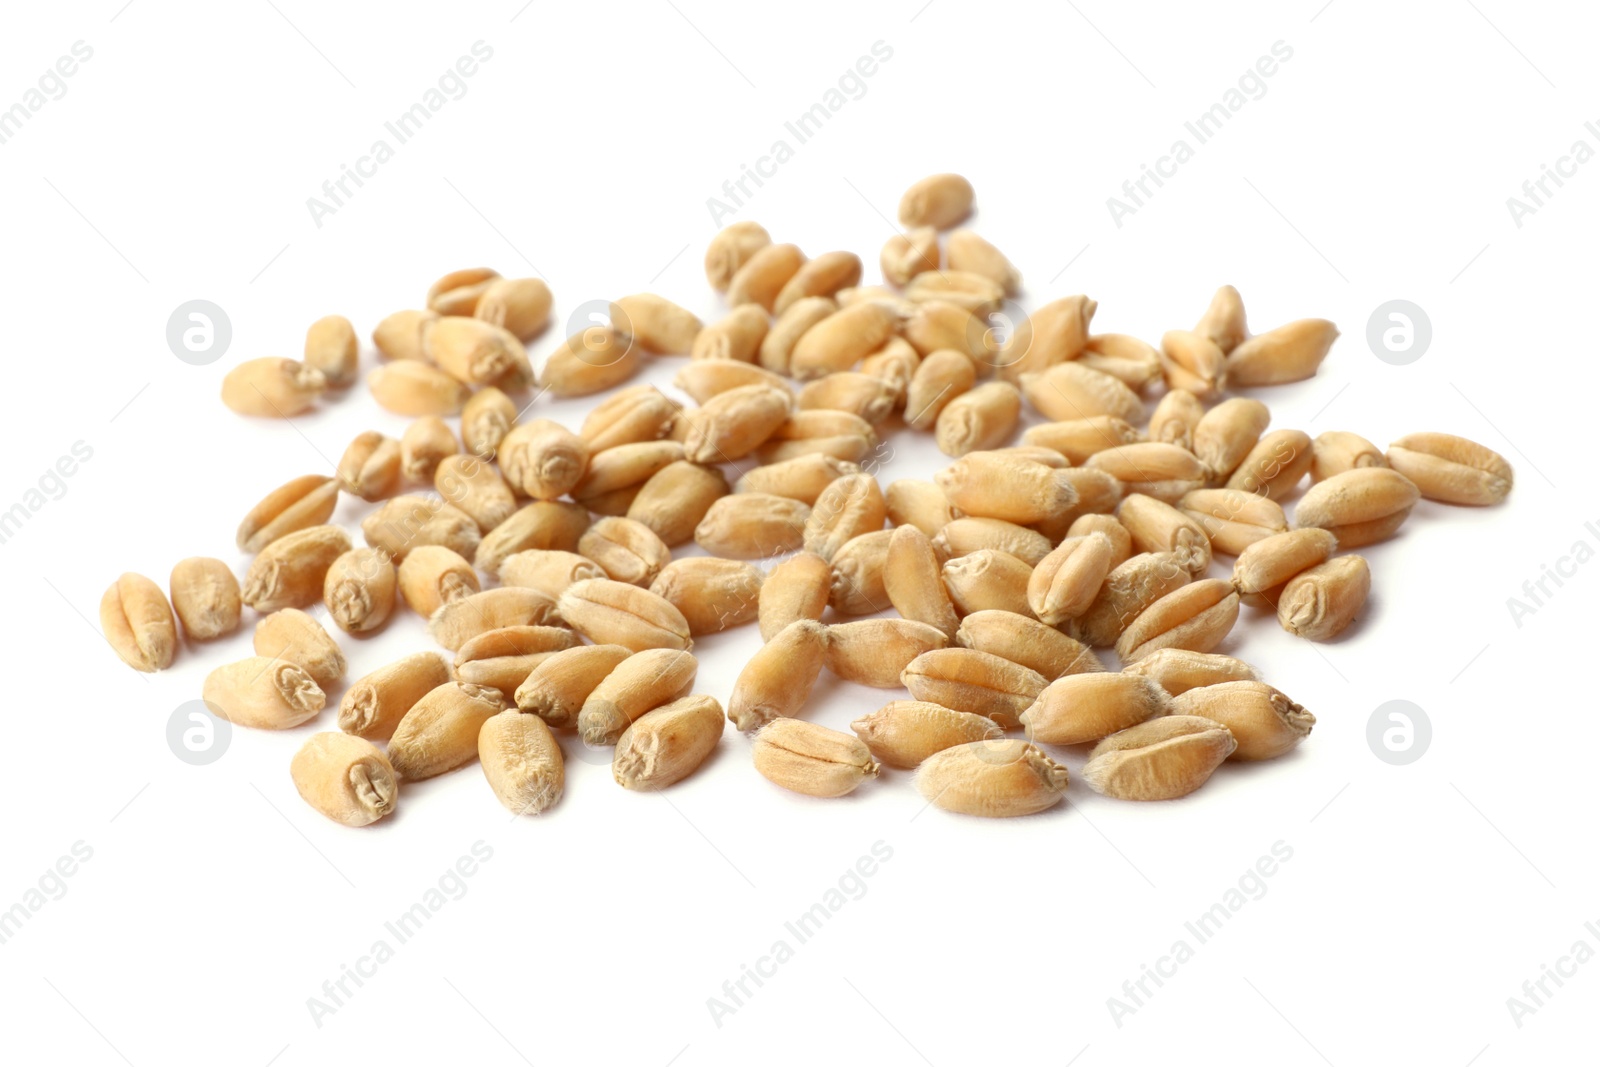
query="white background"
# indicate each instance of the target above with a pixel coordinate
(1376, 166)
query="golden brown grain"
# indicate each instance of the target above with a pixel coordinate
(205, 597)
(138, 624)
(375, 703)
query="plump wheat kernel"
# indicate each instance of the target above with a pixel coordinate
(1226, 434)
(1319, 603)
(522, 762)
(1156, 526)
(272, 387)
(1452, 469)
(970, 292)
(591, 361)
(943, 375)
(360, 589)
(370, 466)
(1224, 320)
(779, 677)
(331, 348)
(980, 682)
(903, 733)
(713, 594)
(641, 683)
(1049, 336)
(1027, 643)
(842, 340)
(459, 621)
(399, 336)
(1360, 506)
(969, 252)
(1140, 465)
(993, 778)
(544, 525)
(440, 732)
(345, 778)
(848, 507)
(763, 275)
(502, 659)
(1001, 486)
(1127, 359)
(655, 322)
(289, 572)
(1086, 707)
(375, 703)
(1078, 438)
(458, 292)
(1069, 391)
(205, 597)
(909, 502)
(737, 335)
(802, 478)
(730, 249)
(806, 758)
(978, 419)
(1065, 583)
(138, 624)
(556, 689)
(733, 424)
(609, 612)
(861, 394)
(939, 325)
(676, 498)
(412, 387)
(432, 575)
(485, 421)
(615, 476)
(474, 487)
(1163, 759)
(939, 200)
(305, 501)
(665, 746)
(626, 550)
(835, 433)
(858, 574)
(521, 306)
(752, 526)
(913, 583)
(798, 588)
(875, 651)
(988, 579)
(425, 442)
(1289, 353)
(822, 276)
(1274, 560)
(777, 347)
(542, 459)
(1197, 617)
(629, 416)
(1275, 466)
(1233, 519)
(1263, 721)
(964, 536)
(268, 694)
